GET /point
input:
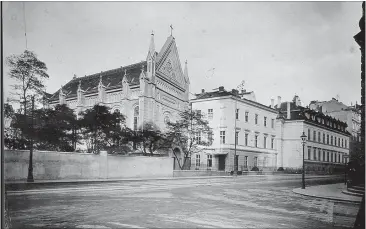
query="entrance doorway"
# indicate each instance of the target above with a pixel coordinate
(222, 162)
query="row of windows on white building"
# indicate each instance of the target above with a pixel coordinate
(246, 117)
(317, 154)
(327, 139)
(209, 161)
(246, 139)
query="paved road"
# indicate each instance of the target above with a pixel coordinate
(241, 202)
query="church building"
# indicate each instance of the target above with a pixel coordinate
(154, 90)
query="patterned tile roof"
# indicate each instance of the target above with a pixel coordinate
(111, 79)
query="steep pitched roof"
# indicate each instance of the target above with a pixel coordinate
(111, 79)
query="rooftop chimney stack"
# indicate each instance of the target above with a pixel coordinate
(288, 110)
(278, 102)
(272, 103)
(221, 88)
(203, 90)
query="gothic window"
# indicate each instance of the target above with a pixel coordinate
(166, 120)
(135, 117)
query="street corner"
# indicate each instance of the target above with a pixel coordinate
(330, 192)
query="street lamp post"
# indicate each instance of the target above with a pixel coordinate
(303, 141)
(235, 161)
(345, 169)
(30, 166)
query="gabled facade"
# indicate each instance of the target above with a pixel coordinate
(154, 90)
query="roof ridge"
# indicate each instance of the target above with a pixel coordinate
(109, 71)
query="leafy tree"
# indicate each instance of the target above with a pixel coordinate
(8, 110)
(149, 139)
(191, 132)
(101, 127)
(29, 72)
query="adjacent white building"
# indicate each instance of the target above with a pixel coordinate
(327, 145)
(235, 116)
(348, 114)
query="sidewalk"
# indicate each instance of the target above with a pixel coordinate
(154, 178)
(329, 191)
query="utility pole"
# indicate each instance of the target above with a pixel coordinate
(30, 168)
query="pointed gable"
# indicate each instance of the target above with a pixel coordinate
(168, 63)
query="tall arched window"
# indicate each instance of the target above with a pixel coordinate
(135, 117)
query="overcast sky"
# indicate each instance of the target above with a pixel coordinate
(278, 48)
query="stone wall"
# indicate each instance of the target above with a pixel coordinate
(50, 165)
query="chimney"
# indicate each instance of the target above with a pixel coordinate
(272, 103)
(278, 102)
(288, 110)
(235, 92)
(203, 90)
(221, 88)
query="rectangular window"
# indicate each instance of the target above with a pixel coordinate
(309, 134)
(331, 157)
(328, 139)
(328, 156)
(265, 121)
(339, 158)
(209, 137)
(342, 142)
(209, 160)
(198, 160)
(314, 154)
(318, 136)
(135, 123)
(323, 155)
(199, 112)
(309, 153)
(272, 143)
(265, 142)
(331, 140)
(210, 114)
(345, 143)
(237, 114)
(222, 137)
(245, 161)
(236, 138)
(246, 116)
(314, 136)
(198, 138)
(319, 154)
(256, 119)
(323, 138)
(256, 141)
(246, 139)
(272, 123)
(255, 161)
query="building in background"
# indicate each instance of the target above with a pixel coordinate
(348, 114)
(155, 90)
(327, 143)
(236, 117)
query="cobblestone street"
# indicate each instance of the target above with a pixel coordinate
(242, 202)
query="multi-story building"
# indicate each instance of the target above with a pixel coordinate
(327, 145)
(155, 90)
(242, 129)
(348, 114)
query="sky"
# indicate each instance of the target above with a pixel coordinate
(277, 48)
